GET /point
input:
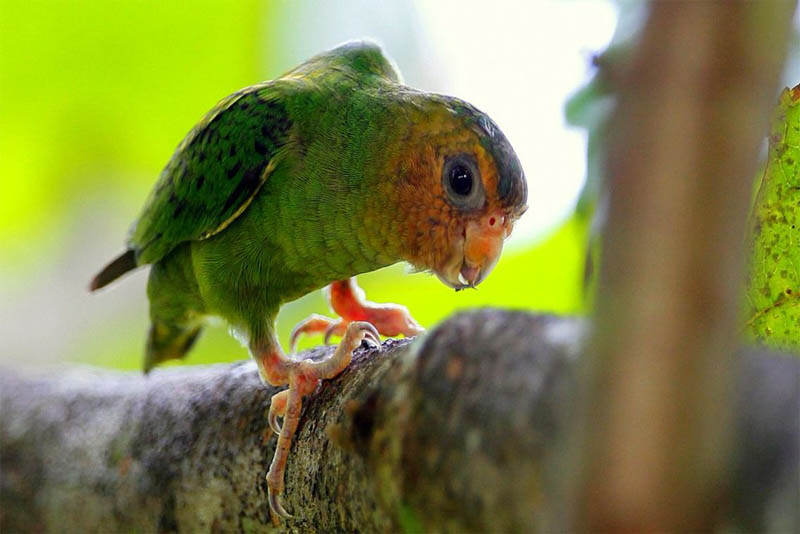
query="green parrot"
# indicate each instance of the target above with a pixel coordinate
(290, 185)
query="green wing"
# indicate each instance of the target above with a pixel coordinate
(215, 172)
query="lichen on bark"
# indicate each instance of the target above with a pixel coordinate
(460, 430)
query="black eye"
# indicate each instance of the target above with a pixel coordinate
(461, 180)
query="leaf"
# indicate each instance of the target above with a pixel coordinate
(773, 293)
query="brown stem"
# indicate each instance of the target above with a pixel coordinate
(692, 113)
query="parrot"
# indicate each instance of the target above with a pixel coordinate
(303, 182)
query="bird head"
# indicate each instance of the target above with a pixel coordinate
(463, 188)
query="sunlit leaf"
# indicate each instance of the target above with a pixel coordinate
(773, 293)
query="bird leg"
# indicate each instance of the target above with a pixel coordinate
(349, 302)
(303, 376)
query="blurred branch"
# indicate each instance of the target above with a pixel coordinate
(461, 431)
(692, 111)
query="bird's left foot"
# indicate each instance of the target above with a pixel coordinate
(349, 302)
(303, 376)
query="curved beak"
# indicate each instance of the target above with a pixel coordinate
(483, 243)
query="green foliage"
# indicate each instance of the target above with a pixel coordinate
(94, 96)
(773, 294)
(590, 108)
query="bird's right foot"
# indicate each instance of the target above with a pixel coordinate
(350, 303)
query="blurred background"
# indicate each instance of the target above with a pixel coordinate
(96, 95)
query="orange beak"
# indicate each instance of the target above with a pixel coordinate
(482, 245)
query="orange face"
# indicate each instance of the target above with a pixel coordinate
(463, 189)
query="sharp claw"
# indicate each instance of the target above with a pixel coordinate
(370, 341)
(273, 423)
(276, 506)
(329, 333)
(311, 325)
(293, 337)
(372, 335)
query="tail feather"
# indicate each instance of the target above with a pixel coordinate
(121, 265)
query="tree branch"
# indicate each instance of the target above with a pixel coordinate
(460, 431)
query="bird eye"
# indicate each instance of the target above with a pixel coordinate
(462, 183)
(461, 180)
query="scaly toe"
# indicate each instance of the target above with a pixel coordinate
(413, 328)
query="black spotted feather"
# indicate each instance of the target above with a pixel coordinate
(214, 173)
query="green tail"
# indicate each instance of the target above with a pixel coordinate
(167, 342)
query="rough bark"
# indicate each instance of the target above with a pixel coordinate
(458, 431)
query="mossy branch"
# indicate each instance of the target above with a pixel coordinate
(461, 430)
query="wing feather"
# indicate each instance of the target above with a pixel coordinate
(215, 172)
